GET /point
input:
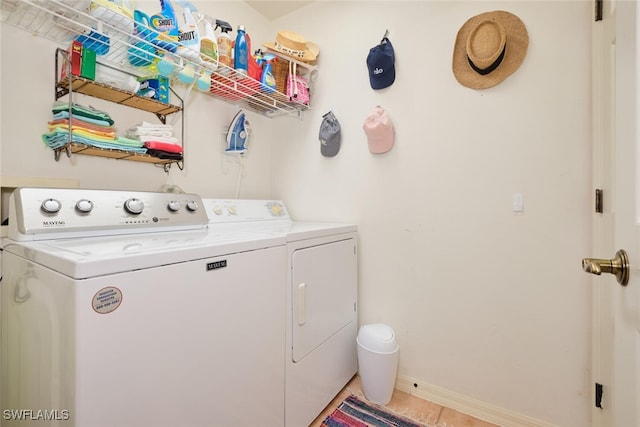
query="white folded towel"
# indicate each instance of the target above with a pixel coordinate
(146, 129)
(132, 133)
(151, 126)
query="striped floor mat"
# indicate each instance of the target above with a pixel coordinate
(353, 412)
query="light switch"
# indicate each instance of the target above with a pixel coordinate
(517, 203)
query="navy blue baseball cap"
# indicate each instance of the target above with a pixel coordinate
(381, 63)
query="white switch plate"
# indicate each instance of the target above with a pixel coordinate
(517, 203)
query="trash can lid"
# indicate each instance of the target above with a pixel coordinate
(377, 337)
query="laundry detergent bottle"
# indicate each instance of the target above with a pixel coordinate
(189, 37)
(166, 24)
(267, 79)
(241, 52)
(209, 47)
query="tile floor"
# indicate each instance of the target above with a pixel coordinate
(415, 408)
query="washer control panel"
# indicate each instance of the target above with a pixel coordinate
(44, 213)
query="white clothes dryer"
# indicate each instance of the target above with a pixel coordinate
(321, 300)
(124, 309)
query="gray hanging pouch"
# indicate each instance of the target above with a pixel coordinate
(329, 135)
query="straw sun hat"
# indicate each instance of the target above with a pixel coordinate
(489, 48)
(294, 45)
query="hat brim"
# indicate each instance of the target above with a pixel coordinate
(309, 56)
(517, 43)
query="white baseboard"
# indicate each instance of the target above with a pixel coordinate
(467, 405)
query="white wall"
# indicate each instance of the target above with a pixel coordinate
(485, 303)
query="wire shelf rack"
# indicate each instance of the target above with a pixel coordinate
(112, 35)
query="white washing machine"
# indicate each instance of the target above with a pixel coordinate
(321, 295)
(126, 309)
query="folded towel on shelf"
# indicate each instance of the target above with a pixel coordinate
(145, 129)
(55, 140)
(81, 110)
(84, 133)
(158, 133)
(83, 124)
(118, 147)
(59, 138)
(164, 155)
(127, 142)
(65, 115)
(163, 146)
(111, 134)
(166, 139)
(153, 126)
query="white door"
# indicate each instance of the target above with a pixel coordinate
(616, 337)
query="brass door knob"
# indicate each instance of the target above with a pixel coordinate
(619, 266)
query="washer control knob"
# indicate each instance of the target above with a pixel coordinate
(84, 206)
(192, 206)
(134, 206)
(173, 206)
(232, 210)
(217, 210)
(51, 206)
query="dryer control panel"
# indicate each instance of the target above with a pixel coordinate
(221, 211)
(48, 213)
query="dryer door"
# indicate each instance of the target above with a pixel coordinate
(324, 292)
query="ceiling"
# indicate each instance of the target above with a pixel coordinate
(275, 9)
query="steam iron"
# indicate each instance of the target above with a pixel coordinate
(238, 134)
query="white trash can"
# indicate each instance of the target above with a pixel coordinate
(377, 361)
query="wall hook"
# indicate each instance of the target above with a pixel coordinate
(386, 34)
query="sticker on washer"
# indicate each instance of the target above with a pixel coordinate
(106, 300)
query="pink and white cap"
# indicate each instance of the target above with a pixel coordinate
(379, 130)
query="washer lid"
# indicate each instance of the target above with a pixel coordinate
(81, 258)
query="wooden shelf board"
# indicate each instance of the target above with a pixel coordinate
(119, 96)
(87, 150)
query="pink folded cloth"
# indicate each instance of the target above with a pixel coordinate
(163, 146)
